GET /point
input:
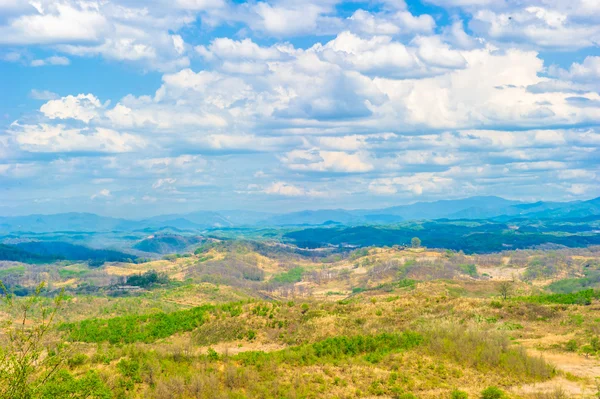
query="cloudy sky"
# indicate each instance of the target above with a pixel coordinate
(134, 108)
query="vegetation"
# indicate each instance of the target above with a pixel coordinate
(577, 298)
(137, 328)
(241, 319)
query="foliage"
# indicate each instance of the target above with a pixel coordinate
(493, 393)
(64, 386)
(505, 289)
(456, 394)
(137, 328)
(565, 286)
(335, 348)
(469, 269)
(584, 297)
(483, 236)
(148, 279)
(293, 275)
(28, 360)
(481, 349)
(415, 242)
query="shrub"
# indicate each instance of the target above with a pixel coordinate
(493, 393)
(577, 298)
(291, 276)
(78, 360)
(456, 394)
(469, 269)
(137, 328)
(479, 348)
(571, 345)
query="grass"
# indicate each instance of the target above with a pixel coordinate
(293, 275)
(584, 297)
(334, 349)
(137, 328)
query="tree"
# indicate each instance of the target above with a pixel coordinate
(415, 242)
(505, 289)
(27, 360)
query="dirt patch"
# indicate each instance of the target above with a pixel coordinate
(502, 273)
(233, 348)
(571, 388)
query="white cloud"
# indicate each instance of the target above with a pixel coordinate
(55, 22)
(327, 161)
(58, 138)
(188, 163)
(104, 193)
(290, 190)
(246, 49)
(43, 95)
(293, 18)
(83, 107)
(416, 184)
(402, 22)
(587, 72)
(54, 60)
(165, 183)
(547, 26)
(200, 4)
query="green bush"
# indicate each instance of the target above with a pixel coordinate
(64, 386)
(469, 269)
(78, 360)
(137, 328)
(456, 394)
(571, 345)
(291, 276)
(373, 347)
(493, 393)
(576, 298)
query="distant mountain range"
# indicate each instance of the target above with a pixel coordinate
(490, 207)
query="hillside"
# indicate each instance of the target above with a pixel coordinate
(166, 243)
(265, 319)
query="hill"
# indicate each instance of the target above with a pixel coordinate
(166, 243)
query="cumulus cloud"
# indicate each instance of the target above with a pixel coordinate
(327, 161)
(83, 107)
(378, 101)
(59, 138)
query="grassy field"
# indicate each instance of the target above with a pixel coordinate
(245, 321)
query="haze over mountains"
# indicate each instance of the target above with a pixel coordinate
(467, 208)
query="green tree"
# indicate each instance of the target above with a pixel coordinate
(415, 242)
(505, 289)
(28, 360)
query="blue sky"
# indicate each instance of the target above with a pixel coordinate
(132, 108)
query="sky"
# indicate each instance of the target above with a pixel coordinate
(136, 108)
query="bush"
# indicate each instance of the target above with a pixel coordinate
(291, 276)
(571, 345)
(78, 360)
(478, 348)
(469, 269)
(137, 328)
(577, 298)
(493, 393)
(456, 394)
